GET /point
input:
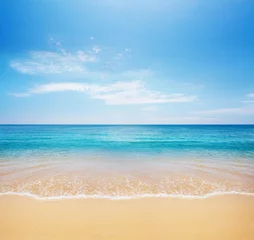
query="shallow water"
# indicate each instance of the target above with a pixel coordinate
(54, 161)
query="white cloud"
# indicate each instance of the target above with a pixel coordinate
(96, 49)
(119, 93)
(119, 55)
(250, 95)
(250, 98)
(82, 56)
(43, 62)
(247, 109)
(61, 61)
(239, 110)
(185, 120)
(141, 96)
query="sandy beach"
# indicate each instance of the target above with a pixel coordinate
(219, 217)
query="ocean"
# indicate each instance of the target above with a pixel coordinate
(126, 161)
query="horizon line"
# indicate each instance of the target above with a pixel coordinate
(120, 124)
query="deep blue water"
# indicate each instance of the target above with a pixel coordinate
(211, 141)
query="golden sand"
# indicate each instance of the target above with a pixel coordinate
(221, 217)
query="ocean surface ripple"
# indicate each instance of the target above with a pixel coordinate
(126, 162)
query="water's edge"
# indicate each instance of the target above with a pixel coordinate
(107, 197)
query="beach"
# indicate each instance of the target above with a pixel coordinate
(218, 217)
(126, 120)
(126, 182)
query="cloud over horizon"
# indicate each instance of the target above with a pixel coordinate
(118, 93)
(125, 87)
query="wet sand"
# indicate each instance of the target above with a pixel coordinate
(219, 217)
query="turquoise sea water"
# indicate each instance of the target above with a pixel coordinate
(191, 160)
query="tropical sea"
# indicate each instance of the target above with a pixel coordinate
(126, 161)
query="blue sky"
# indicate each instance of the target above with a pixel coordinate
(137, 62)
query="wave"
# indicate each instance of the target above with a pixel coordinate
(108, 197)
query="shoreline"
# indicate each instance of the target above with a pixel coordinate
(220, 217)
(118, 198)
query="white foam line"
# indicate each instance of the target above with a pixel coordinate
(83, 196)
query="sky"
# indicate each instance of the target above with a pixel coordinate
(127, 62)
